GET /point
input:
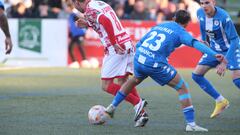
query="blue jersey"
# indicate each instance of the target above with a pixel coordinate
(155, 47)
(218, 30)
(74, 30)
(1, 4)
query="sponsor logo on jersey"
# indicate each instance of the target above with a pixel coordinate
(216, 22)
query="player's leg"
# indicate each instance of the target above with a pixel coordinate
(204, 66)
(121, 81)
(70, 49)
(110, 87)
(141, 116)
(236, 78)
(185, 99)
(81, 47)
(141, 102)
(126, 89)
(198, 77)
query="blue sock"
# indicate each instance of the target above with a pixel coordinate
(237, 82)
(205, 85)
(189, 114)
(118, 98)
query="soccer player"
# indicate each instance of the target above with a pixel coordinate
(77, 38)
(5, 29)
(118, 58)
(151, 59)
(218, 31)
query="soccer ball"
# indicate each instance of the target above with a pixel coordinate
(85, 64)
(97, 115)
(94, 62)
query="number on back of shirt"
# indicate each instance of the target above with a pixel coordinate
(156, 39)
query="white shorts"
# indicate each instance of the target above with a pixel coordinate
(116, 66)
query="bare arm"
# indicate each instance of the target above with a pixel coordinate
(5, 28)
(4, 23)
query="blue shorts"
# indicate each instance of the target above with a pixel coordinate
(233, 64)
(162, 74)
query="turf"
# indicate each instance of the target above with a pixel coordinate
(55, 101)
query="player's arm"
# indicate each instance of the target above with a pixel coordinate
(232, 36)
(202, 29)
(81, 22)
(107, 25)
(73, 27)
(188, 40)
(204, 49)
(5, 28)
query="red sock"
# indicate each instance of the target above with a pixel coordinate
(135, 93)
(131, 98)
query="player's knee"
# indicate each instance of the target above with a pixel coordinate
(105, 87)
(181, 85)
(237, 82)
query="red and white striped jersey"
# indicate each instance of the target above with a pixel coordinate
(102, 18)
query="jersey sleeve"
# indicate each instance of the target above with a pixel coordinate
(201, 21)
(232, 36)
(186, 38)
(1, 5)
(107, 25)
(92, 15)
(230, 29)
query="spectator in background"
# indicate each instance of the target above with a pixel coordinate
(44, 11)
(35, 5)
(55, 6)
(172, 9)
(139, 12)
(192, 7)
(128, 6)
(119, 10)
(160, 16)
(77, 36)
(168, 8)
(19, 11)
(181, 6)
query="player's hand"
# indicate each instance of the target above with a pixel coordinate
(81, 22)
(8, 45)
(221, 68)
(119, 49)
(221, 58)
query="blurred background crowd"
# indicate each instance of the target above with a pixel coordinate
(148, 10)
(157, 10)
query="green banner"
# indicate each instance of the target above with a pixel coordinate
(29, 34)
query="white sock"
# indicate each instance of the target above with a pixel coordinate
(220, 98)
(192, 124)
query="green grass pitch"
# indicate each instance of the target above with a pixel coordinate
(55, 101)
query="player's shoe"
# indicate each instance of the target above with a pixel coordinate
(74, 65)
(139, 108)
(220, 107)
(142, 121)
(110, 110)
(195, 128)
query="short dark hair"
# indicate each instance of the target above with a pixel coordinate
(182, 17)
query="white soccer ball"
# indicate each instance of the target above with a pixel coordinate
(97, 115)
(85, 64)
(94, 62)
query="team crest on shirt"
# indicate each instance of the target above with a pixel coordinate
(216, 22)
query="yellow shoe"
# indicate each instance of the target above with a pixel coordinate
(219, 107)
